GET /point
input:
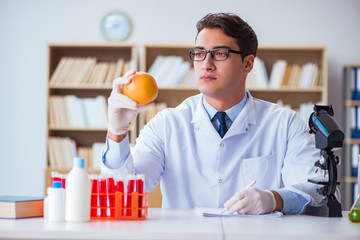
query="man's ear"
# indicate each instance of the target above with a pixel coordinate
(248, 63)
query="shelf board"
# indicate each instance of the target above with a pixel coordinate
(352, 102)
(352, 65)
(287, 89)
(349, 179)
(53, 128)
(186, 88)
(352, 141)
(82, 87)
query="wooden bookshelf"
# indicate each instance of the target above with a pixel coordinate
(174, 95)
(104, 53)
(349, 179)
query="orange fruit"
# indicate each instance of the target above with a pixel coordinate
(142, 88)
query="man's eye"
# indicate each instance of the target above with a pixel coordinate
(221, 53)
(198, 53)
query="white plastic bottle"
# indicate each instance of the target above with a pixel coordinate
(77, 193)
(56, 203)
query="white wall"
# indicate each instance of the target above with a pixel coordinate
(26, 26)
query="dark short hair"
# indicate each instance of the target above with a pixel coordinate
(233, 26)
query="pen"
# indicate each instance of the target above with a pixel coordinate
(251, 184)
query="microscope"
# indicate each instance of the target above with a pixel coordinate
(327, 136)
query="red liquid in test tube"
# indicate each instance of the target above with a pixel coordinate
(94, 196)
(102, 196)
(120, 188)
(130, 189)
(110, 184)
(63, 180)
(140, 189)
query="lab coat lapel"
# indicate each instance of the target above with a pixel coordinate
(241, 125)
(243, 122)
(202, 123)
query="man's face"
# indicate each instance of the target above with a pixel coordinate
(219, 80)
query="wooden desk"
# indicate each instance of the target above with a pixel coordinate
(186, 224)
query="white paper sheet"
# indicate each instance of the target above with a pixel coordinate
(217, 212)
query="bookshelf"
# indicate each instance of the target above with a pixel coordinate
(87, 78)
(351, 131)
(170, 95)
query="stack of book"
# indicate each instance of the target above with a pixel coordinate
(171, 71)
(71, 111)
(145, 117)
(77, 71)
(284, 75)
(62, 150)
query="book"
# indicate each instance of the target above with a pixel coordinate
(55, 76)
(97, 148)
(14, 207)
(277, 73)
(111, 74)
(258, 75)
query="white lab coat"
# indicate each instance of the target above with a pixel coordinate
(199, 168)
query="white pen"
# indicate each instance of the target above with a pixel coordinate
(251, 184)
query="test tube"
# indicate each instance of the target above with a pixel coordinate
(140, 180)
(130, 189)
(94, 195)
(63, 180)
(110, 188)
(102, 196)
(120, 188)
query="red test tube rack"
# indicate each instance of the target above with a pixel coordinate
(109, 201)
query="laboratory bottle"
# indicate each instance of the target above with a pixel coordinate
(354, 213)
(77, 193)
(56, 203)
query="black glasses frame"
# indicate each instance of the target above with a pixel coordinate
(211, 54)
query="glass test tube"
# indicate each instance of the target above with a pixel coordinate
(110, 188)
(94, 195)
(140, 180)
(102, 196)
(120, 187)
(130, 189)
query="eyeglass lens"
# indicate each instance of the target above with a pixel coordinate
(216, 54)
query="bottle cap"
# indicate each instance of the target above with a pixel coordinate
(57, 184)
(79, 162)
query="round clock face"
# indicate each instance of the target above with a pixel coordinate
(116, 26)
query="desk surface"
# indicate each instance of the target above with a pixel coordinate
(185, 224)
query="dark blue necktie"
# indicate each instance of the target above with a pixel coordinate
(222, 128)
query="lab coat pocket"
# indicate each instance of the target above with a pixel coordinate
(263, 170)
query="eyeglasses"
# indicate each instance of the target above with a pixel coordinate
(217, 54)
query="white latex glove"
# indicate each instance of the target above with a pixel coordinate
(121, 109)
(251, 201)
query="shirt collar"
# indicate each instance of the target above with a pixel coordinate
(232, 112)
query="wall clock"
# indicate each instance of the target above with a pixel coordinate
(116, 26)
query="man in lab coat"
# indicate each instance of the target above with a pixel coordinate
(210, 147)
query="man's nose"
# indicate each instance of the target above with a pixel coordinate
(208, 62)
